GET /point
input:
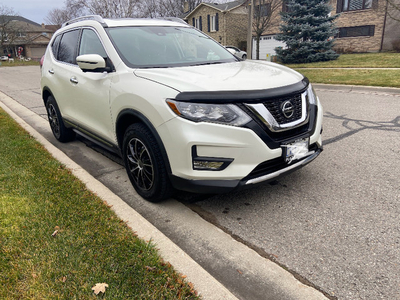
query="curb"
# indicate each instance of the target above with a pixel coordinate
(205, 284)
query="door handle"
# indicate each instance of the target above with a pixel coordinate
(74, 80)
(51, 71)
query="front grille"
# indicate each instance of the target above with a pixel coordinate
(275, 107)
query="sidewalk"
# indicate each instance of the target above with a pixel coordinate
(274, 282)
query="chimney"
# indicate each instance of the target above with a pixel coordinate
(185, 6)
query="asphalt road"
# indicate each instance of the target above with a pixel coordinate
(334, 224)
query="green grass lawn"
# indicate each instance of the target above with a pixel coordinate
(18, 63)
(363, 60)
(58, 240)
(351, 76)
(382, 78)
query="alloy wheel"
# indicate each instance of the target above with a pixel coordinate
(53, 120)
(140, 164)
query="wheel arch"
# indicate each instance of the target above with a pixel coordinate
(128, 117)
(46, 93)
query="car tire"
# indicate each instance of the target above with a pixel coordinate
(244, 57)
(145, 165)
(60, 132)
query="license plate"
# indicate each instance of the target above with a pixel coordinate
(296, 150)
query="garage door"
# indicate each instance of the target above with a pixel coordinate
(38, 52)
(268, 43)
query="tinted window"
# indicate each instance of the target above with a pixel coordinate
(54, 46)
(91, 44)
(68, 45)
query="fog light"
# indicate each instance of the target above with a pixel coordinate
(202, 163)
(207, 165)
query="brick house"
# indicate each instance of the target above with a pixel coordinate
(24, 37)
(364, 26)
(226, 23)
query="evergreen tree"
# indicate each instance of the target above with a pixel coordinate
(308, 31)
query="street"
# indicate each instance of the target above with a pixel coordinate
(333, 224)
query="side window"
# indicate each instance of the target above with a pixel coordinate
(54, 46)
(91, 44)
(68, 45)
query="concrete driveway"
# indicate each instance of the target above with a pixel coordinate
(333, 224)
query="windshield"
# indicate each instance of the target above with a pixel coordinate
(149, 47)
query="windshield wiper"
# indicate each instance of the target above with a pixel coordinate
(208, 63)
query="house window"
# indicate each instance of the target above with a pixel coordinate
(352, 5)
(262, 10)
(21, 34)
(368, 30)
(197, 22)
(212, 21)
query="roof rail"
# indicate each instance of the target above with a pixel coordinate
(173, 19)
(84, 18)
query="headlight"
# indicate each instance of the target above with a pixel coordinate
(227, 114)
(311, 95)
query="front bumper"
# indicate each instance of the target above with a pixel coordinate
(248, 155)
(224, 186)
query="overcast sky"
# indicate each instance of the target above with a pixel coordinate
(34, 10)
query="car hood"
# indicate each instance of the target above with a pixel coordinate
(244, 76)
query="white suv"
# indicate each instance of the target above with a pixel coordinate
(181, 110)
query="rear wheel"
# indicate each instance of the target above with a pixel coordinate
(61, 133)
(145, 165)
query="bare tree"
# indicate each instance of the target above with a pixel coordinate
(171, 8)
(59, 16)
(110, 8)
(10, 30)
(166, 8)
(104, 8)
(122, 9)
(265, 16)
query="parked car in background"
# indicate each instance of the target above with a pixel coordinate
(180, 109)
(4, 58)
(237, 52)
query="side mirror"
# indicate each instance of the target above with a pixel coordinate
(91, 63)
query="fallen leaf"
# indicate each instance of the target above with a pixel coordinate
(275, 256)
(99, 288)
(150, 268)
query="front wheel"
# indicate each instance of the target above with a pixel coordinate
(145, 165)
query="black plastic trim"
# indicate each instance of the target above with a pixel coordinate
(252, 96)
(149, 125)
(92, 137)
(224, 186)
